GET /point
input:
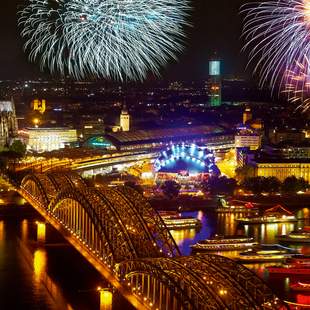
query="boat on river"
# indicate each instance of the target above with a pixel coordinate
(175, 221)
(222, 243)
(266, 253)
(296, 265)
(298, 236)
(300, 287)
(277, 214)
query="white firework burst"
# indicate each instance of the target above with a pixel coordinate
(113, 39)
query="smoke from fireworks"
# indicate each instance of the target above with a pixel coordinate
(277, 37)
(118, 39)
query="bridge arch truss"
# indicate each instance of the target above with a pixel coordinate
(108, 223)
(197, 283)
(44, 187)
(121, 229)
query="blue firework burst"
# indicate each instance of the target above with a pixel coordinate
(113, 39)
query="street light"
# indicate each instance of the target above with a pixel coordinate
(36, 122)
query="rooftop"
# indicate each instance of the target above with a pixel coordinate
(280, 160)
(159, 134)
(47, 129)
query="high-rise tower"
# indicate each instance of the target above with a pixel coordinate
(125, 119)
(215, 82)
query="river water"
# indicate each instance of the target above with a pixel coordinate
(45, 275)
(53, 275)
(226, 224)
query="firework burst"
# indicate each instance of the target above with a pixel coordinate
(297, 86)
(114, 39)
(277, 37)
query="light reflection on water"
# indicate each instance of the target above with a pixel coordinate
(1, 233)
(181, 235)
(226, 224)
(267, 233)
(39, 263)
(47, 275)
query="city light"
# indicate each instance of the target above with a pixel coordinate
(172, 156)
(187, 191)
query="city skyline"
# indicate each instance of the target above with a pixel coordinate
(189, 189)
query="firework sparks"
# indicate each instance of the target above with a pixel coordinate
(114, 39)
(297, 86)
(277, 37)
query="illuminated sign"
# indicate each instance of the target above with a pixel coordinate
(214, 67)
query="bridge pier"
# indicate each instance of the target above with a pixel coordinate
(106, 299)
(41, 232)
(86, 216)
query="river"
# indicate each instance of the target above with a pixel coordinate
(53, 275)
(226, 224)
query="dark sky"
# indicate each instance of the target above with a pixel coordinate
(216, 27)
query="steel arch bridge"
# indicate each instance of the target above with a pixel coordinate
(118, 230)
(197, 282)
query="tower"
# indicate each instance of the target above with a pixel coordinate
(39, 105)
(247, 115)
(125, 119)
(8, 122)
(215, 83)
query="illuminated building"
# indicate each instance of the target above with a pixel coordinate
(125, 120)
(99, 142)
(242, 156)
(8, 122)
(185, 163)
(247, 119)
(247, 115)
(176, 86)
(295, 152)
(282, 168)
(47, 139)
(39, 105)
(92, 128)
(214, 137)
(215, 87)
(307, 133)
(249, 138)
(277, 136)
(289, 150)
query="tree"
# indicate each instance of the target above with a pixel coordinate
(293, 185)
(171, 189)
(134, 186)
(272, 185)
(18, 148)
(303, 184)
(245, 172)
(219, 185)
(3, 163)
(256, 184)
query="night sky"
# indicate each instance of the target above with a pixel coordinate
(216, 27)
